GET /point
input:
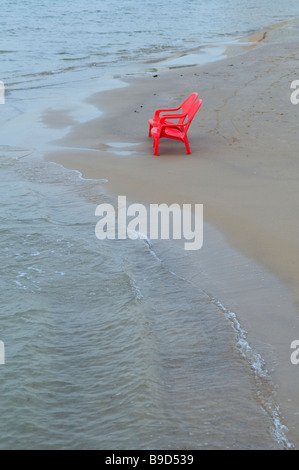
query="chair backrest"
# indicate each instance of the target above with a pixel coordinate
(192, 111)
(186, 105)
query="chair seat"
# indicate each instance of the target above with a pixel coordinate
(172, 133)
(154, 123)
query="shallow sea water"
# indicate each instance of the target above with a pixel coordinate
(105, 347)
(57, 43)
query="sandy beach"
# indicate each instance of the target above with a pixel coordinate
(243, 169)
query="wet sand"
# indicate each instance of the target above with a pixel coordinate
(243, 168)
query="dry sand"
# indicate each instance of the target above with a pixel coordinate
(244, 169)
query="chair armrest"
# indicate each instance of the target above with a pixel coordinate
(172, 116)
(158, 111)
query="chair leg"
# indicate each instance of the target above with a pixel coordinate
(149, 132)
(156, 146)
(187, 145)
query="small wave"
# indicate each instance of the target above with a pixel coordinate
(265, 389)
(136, 289)
(76, 58)
(261, 374)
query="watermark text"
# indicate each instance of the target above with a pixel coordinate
(295, 95)
(295, 354)
(160, 221)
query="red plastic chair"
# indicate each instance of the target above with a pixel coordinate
(174, 131)
(185, 106)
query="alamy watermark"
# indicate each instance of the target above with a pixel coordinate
(2, 353)
(295, 354)
(295, 95)
(159, 221)
(2, 93)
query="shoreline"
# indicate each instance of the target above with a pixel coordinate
(234, 165)
(97, 159)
